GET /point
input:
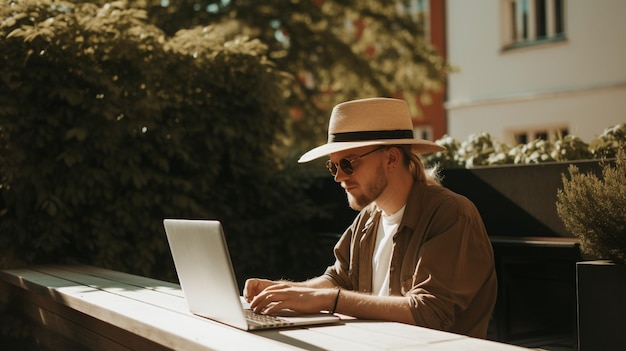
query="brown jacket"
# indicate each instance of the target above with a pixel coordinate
(442, 259)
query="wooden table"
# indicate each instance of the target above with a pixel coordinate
(94, 308)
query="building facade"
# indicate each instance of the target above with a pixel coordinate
(530, 69)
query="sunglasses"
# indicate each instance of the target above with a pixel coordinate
(345, 164)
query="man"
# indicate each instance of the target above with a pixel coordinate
(416, 253)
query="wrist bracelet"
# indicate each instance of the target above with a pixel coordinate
(336, 300)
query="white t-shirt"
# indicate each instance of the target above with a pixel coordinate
(382, 252)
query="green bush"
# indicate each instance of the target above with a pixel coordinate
(107, 127)
(481, 149)
(609, 142)
(338, 50)
(592, 209)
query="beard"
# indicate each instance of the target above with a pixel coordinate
(371, 191)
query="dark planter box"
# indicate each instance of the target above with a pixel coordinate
(516, 200)
(601, 289)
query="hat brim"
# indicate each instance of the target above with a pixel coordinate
(419, 147)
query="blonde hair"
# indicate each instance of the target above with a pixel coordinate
(420, 173)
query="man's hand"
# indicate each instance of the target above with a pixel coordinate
(254, 286)
(278, 296)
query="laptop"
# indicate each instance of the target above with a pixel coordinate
(208, 281)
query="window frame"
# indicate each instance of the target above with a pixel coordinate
(548, 132)
(523, 25)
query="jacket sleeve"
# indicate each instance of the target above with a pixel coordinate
(339, 273)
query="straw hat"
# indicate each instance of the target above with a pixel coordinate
(373, 121)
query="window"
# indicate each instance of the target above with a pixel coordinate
(527, 22)
(549, 133)
(540, 19)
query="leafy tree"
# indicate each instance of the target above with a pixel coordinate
(336, 50)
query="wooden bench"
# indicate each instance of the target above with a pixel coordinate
(89, 308)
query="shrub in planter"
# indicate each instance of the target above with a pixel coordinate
(480, 149)
(609, 142)
(592, 209)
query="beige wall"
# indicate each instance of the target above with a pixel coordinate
(579, 83)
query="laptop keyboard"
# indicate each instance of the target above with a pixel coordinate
(266, 320)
